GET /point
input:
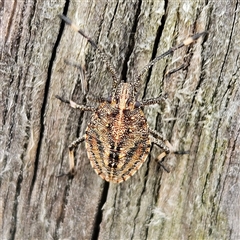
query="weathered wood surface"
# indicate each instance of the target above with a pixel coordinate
(198, 199)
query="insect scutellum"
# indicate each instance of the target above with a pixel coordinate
(118, 137)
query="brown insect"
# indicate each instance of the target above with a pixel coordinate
(118, 138)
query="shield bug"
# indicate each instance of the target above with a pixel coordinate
(117, 137)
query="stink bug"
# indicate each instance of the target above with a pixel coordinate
(118, 138)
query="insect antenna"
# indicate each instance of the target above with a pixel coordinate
(94, 45)
(168, 52)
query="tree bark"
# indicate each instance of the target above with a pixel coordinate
(198, 199)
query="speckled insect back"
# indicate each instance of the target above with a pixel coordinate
(118, 138)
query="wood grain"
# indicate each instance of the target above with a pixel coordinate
(198, 199)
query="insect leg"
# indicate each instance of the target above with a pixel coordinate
(71, 154)
(99, 99)
(183, 66)
(159, 140)
(71, 147)
(160, 143)
(156, 134)
(166, 143)
(170, 72)
(152, 101)
(75, 105)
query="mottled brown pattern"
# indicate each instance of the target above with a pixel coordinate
(117, 137)
(117, 141)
